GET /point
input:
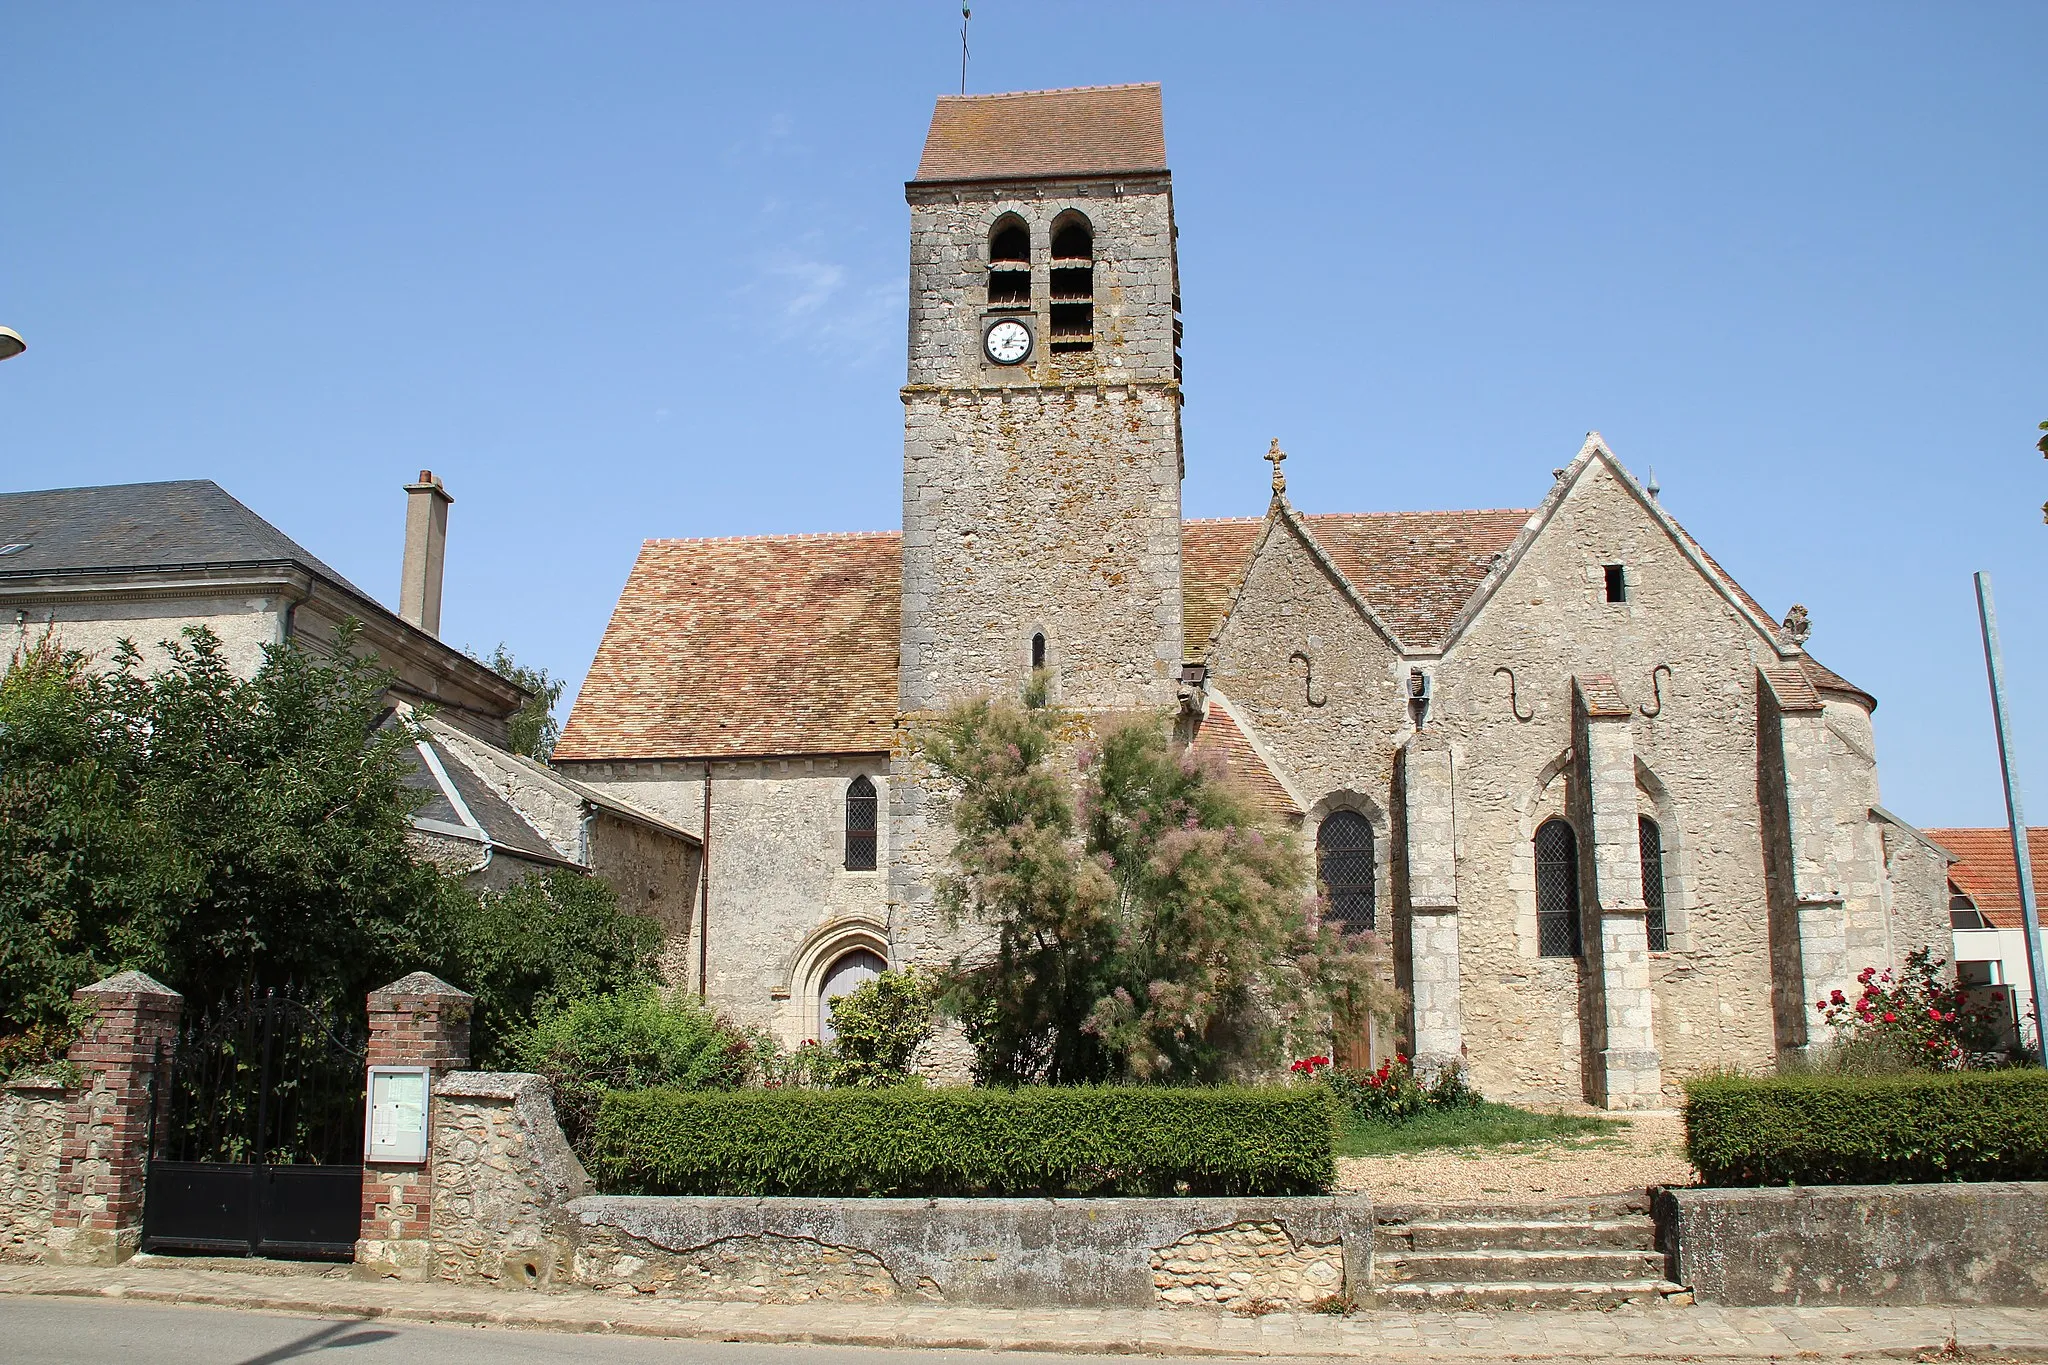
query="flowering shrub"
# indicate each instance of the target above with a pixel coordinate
(1915, 1015)
(1307, 1067)
(1394, 1093)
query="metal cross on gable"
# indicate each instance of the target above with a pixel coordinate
(1276, 455)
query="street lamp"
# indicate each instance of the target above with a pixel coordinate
(11, 344)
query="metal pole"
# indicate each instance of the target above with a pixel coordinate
(1995, 666)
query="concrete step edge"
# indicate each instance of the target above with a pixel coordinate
(1423, 1289)
(1518, 1254)
(1534, 1224)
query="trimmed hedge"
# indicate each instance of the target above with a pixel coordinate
(1083, 1140)
(1868, 1130)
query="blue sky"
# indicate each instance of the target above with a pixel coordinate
(618, 271)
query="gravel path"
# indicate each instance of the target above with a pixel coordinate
(1650, 1151)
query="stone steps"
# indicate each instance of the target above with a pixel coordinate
(1588, 1253)
(1515, 1265)
(1529, 1294)
(1512, 1234)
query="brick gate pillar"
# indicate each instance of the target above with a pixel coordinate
(419, 1020)
(104, 1151)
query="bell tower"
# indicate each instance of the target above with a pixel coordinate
(1041, 430)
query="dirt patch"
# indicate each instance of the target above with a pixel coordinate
(1649, 1151)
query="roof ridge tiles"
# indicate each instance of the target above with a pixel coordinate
(1054, 90)
(772, 535)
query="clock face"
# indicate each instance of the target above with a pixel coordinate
(1008, 342)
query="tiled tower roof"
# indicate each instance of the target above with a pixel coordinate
(1094, 130)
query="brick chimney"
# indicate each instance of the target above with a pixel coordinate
(426, 546)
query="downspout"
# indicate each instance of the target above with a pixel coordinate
(704, 896)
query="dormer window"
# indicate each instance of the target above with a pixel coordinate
(1073, 283)
(1009, 263)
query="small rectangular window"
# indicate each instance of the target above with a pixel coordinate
(1617, 584)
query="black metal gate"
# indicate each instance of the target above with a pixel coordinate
(256, 1131)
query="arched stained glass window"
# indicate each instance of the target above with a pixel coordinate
(862, 810)
(1650, 842)
(1557, 890)
(1344, 863)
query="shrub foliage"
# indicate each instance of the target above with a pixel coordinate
(1161, 929)
(877, 1030)
(1393, 1093)
(629, 1040)
(1080, 1140)
(1874, 1130)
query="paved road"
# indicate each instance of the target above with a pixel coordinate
(89, 1332)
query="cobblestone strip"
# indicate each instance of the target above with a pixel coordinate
(1704, 1332)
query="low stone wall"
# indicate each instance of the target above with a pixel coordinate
(1890, 1245)
(1009, 1252)
(509, 1206)
(502, 1174)
(34, 1112)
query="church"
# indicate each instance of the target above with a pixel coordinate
(1616, 825)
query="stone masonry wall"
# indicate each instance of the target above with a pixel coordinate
(33, 1114)
(781, 896)
(244, 625)
(502, 1172)
(1247, 1264)
(1697, 766)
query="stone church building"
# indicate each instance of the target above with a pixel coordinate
(1615, 823)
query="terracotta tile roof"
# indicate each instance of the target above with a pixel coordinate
(1094, 130)
(1213, 555)
(1417, 569)
(1602, 696)
(1220, 734)
(1984, 869)
(750, 646)
(1827, 680)
(776, 645)
(1794, 689)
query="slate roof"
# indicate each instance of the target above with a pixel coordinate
(494, 818)
(1984, 869)
(184, 524)
(1091, 130)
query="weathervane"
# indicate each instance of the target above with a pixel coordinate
(1276, 455)
(965, 15)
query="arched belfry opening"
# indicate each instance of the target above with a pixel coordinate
(1073, 282)
(1009, 262)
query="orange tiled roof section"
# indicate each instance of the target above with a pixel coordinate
(1093, 130)
(1416, 569)
(1984, 869)
(786, 645)
(1220, 734)
(759, 646)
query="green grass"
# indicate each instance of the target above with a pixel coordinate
(1482, 1125)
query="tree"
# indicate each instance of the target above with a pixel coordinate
(210, 830)
(535, 947)
(1161, 932)
(219, 832)
(534, 729)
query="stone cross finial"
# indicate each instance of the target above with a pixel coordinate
(1276, 455)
